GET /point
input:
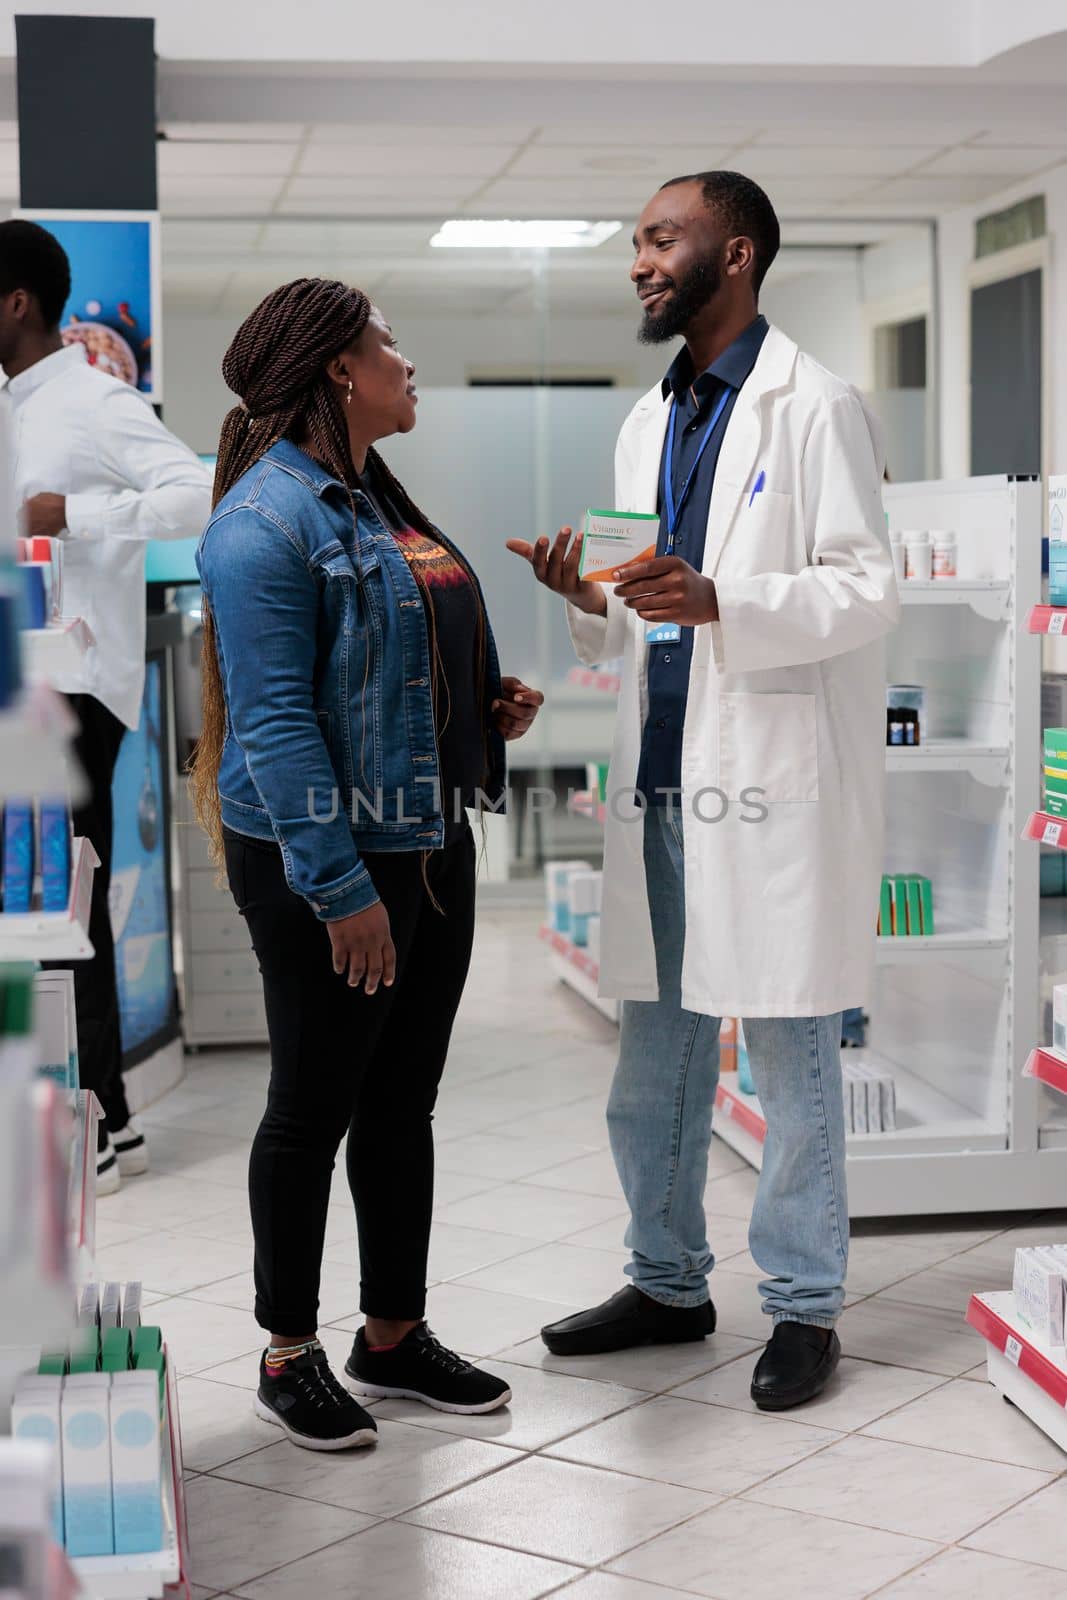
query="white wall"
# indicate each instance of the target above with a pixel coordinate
(821, 310)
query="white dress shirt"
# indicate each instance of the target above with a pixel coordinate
(96, 440)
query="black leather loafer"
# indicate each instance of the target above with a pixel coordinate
(625, 1321)
(797, 1364)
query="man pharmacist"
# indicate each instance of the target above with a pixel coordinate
(752, 672)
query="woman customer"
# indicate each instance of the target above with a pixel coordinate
(352, 704)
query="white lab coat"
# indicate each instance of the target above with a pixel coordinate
(786, 694)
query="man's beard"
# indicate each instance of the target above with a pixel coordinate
(688, 296)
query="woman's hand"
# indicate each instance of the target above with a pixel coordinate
(556, 567)
(514, 712)
(363, 947)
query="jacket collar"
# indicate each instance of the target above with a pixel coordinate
(312, 474)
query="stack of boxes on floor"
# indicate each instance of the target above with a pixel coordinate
(99, 1405)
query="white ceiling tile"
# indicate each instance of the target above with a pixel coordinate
(801, 160)
(390, 239)
(476, 161)
(875, 133)
(1014, 133)
(960, 190)
(425, 136)
(654, 134)
(224, 204)
(367, 209)
(1001, 161)
(367, 185)
(605, 162)
(180, 160)
(262, 190)
(182, 239)
(241, 132)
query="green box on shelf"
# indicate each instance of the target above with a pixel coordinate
(885, 909)
(926, 903)
(1055, 804)
(915, 926)
(116, 1350)
(1055, 740)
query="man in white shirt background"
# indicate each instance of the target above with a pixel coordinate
(95, 467)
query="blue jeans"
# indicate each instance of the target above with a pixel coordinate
(659, 1117)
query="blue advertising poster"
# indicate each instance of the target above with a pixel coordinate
(114, 299)
(139, 901)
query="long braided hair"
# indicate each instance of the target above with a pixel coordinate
(276, 366)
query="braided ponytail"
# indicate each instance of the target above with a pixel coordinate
(276, 366)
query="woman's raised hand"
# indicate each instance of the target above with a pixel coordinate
(555, 564)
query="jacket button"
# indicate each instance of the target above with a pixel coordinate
(660, 722)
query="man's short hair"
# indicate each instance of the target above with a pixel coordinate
(744, 209)
(33, 259)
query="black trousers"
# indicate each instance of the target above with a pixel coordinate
(96, 994)
(343, 1062)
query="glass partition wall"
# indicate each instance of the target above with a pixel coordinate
(527, 364)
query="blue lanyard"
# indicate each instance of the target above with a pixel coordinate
(674, 510)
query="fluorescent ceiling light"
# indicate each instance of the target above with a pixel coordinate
(473, 233)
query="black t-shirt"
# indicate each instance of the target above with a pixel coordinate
(452, 624)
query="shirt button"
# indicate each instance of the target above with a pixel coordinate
(667, 660)
(660, 723)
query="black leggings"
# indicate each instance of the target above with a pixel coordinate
(343, 1062)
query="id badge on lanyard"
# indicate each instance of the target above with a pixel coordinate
(670, 632)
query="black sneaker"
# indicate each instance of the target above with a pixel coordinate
(420, 1368)
(306, 1401)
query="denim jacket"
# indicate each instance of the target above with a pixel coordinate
(330, 744)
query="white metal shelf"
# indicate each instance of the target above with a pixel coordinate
(961, 941)
(988, 763)
(989, 597)
(55, 935)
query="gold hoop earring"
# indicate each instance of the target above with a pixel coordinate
(348, 398)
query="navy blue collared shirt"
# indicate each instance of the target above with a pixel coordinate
(695, 398)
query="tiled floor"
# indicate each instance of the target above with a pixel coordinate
(643, 1475)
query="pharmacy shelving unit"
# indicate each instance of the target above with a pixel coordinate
(953, 1015)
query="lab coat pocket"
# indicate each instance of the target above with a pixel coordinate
(769, 742)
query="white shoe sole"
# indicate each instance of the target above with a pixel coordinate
(377, 1391)
(108, 1182)
(133, 1164)
(354, 1441)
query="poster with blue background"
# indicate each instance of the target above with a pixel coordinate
(113, 308)
(139, 900)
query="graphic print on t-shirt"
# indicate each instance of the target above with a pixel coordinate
(431, 563)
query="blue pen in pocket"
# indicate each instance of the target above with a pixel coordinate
(758, 488)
